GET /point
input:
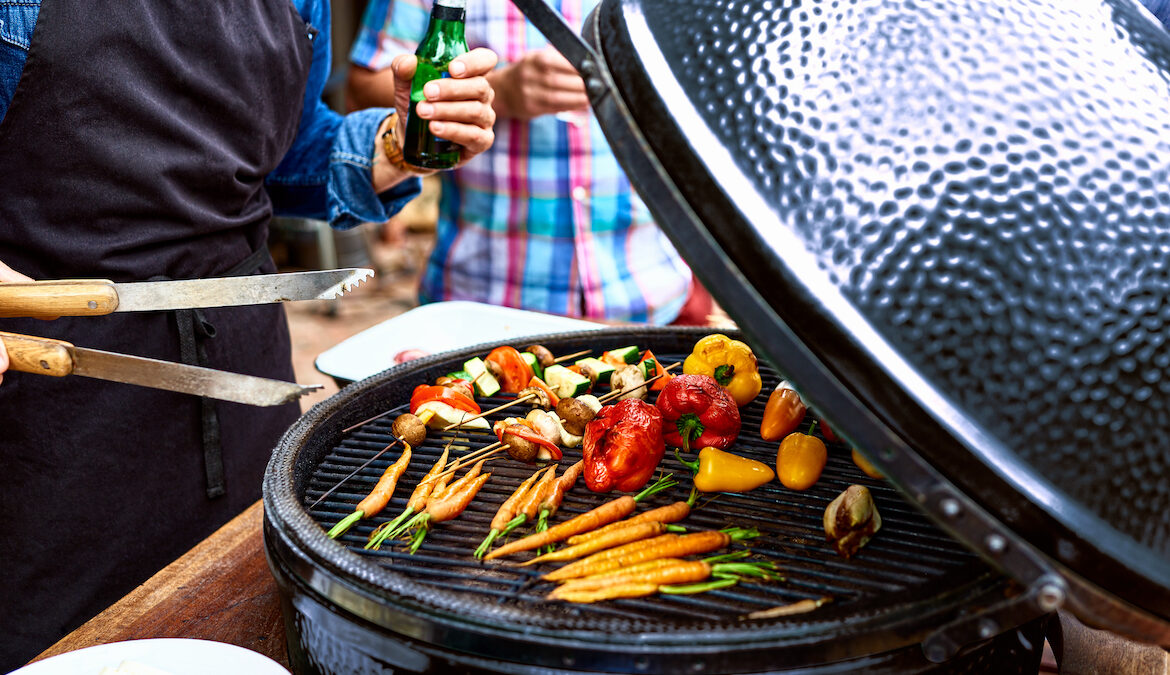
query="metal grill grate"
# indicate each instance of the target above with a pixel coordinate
(909, 553)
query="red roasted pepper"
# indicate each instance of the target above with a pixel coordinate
(433, 392)
(622, 446)
(514, 370)
(697, 412)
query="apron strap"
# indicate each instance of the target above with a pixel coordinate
(194, 330)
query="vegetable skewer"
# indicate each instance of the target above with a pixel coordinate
(407, 428)
(417, 501)
(615, 509)
(378, 497)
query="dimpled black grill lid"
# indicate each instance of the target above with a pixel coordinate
(956, 216)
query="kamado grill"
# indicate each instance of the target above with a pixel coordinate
(948, 223)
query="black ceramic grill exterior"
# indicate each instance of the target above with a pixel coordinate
(903, 590)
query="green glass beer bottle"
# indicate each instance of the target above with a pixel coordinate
(443, 42)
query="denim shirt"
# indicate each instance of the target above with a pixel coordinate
(326, 172)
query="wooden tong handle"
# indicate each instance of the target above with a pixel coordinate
(43, 356)
(62, 297)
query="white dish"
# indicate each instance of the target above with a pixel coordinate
(434, 328)
(175, 656)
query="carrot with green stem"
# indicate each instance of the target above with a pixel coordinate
(613, 538)
(613, 510)
(450, 504)
(440, 492)
(504, 515)
(378, 498)
(669, 575)
(553, 500)
(664, 546)
(671, 513)
(418, 500)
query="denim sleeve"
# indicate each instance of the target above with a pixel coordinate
(17, 20)
(326, 172)
(1160, 9)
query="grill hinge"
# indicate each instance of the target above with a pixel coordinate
(1046, 594)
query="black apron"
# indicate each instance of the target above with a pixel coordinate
(135, 148)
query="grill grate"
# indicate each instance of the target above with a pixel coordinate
(908, 554)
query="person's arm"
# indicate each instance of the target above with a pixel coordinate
(329, 172)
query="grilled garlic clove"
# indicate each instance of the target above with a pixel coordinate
(851, 520)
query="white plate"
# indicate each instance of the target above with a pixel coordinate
(434, 328)
(175, 656)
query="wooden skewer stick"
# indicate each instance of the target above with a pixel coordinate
(474, 456)
(518, 401)
(615, 394)
(566, 357)
(355, 472)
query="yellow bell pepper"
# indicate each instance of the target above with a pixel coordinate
(719, 471)
(730, 362)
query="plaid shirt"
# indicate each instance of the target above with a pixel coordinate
(545, 220)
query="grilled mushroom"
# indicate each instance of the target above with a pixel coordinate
(851, 520)
(543, 356)
(539, 400)
(574, 415)
(628, 378)
(588, 371)
(410, 429)
(518, 448)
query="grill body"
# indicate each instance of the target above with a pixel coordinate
(350, 611)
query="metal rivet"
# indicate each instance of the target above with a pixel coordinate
(641, 663)
(996, 544)
(698, 666)
(588, 67)
(1050, 598)
(936, 653)
(594, 87)
(888, 454)
(950, 507)
(988, 628)
(45, 364)
(92, 304)
(568, 661)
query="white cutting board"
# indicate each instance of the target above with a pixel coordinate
(434, 328)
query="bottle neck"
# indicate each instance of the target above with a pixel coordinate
(449, 14)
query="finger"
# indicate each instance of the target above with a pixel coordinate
(404, 66)
(554, 102)
(9, 274)
(462, 112)
(3, 361)
(479, 61)
(563, 82)
(552, 60)
(449, 89)
(474, 139)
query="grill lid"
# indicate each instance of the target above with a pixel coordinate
(951, 221)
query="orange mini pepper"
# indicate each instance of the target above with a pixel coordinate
(783, 413)
(800, 460)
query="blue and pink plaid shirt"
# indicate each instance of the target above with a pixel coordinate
(545, 220)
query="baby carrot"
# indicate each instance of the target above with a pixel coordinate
(418, 499)
(504, 515)
(552, 502)
(378, 497)
(671, 513)
(676, 572)
(440, 493)
(617, 537)
(452, 503)
(665, 546)
(615, 509)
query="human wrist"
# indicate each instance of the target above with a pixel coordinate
(390, 167)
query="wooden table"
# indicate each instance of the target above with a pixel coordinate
(220, 590)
